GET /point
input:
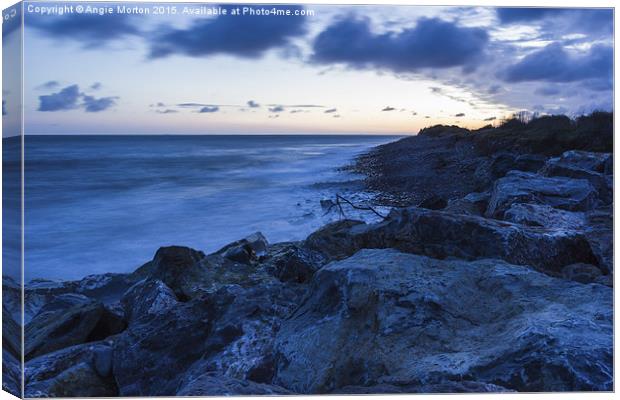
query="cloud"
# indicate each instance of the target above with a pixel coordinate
(66, 99)
(194, 105)
(91, 30)
(253, 104)
(510, 15)
(330, 111)
(460, 115)
(336, 116)
(246, 36)
(209, 109)
(276, 109)
(49, 85)
(432, 43)
(547, 91)
(388, 108)
(414, 113)
(96, 86)
(494, 89)
(490, 119)
(166, 111)
(553, 64)
(3, 107)
(69, 98)
(92, 104)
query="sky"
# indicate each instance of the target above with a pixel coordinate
(337, 69)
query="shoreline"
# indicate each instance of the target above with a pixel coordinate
(489, 232)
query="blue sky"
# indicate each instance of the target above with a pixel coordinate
(345, 69)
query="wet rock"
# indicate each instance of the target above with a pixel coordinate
(246, 250)
(585, 160)
(293, 262)
(11, 334)
(599, 232)
(62, 327)
(461, 386)
(70, 372)
(522, 187)
(214, 384)
(560, 167)
(384, 317)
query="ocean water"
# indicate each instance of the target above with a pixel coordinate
(96, 204)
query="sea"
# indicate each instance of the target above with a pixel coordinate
(99, 204)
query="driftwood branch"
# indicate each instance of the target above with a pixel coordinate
(341, 200)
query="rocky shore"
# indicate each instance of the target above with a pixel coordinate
(493, 272)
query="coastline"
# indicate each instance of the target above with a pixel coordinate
(496, 258)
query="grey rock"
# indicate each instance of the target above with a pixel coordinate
(545, 216)
(70, 372)
(76, 324)
(433, 202)
(440, 234)
(11, 373)
(560, 167)
(473, 204)
(586, 160)
(384, 317)
(147, 299)
(293, 262)
(246, 250)
(523, 187)
(214, 384)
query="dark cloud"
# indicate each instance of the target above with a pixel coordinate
(194, 105)
(253, 104)
(276, 109)
(209, 109)
(48, 85)
(330, 111)
(166, 111)
(547, 91)
(66, 99)
(336, 116)
(239, 35)
(96, 86)
(460, 115)
(3, 107)
(490, 119)
(494, 89)
(91, 30)
(432, 43)
(388, 108)
(509, 15)
(92, 104)
(414, 113)
(554, 64)
(69, 98)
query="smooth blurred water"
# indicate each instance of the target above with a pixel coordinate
(96, 204)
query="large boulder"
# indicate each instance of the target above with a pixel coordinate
(545, 216)
(441, 234)
(246, 250)
(66, 322)
(77, 371)
(523, 187)
(382, 317)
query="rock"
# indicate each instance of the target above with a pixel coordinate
(522, 187)
(214, 384)
(474, 203)
(151, 354)
(327, 204)
(560, 167)
(383, 317)
(71, 372)
(147, 299)
(294, 263)
(545, 216)
(246, 250)
(585, 160)
(462, 386)
(11, 373)
(333, 240)
(11, 334)
(176, 266)
(63, 327)
(599, 232)
(433, 202)
(440, 234)
(580, 272)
